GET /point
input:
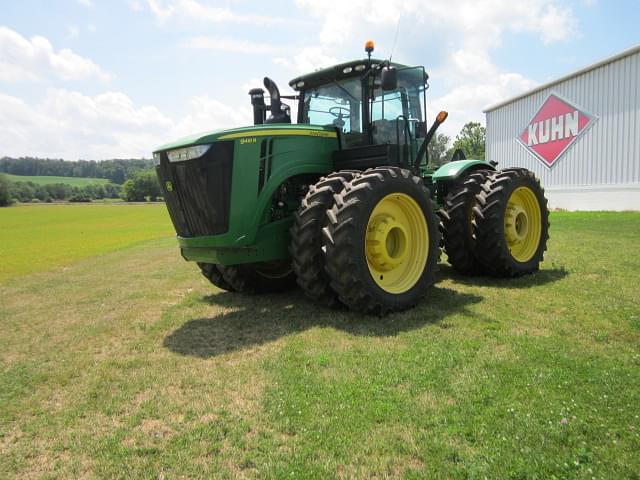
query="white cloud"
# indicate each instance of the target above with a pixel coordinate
(85, 3)
(476, 83)
(192, 10)
(307, 59)
(72, 125)
(34, 59)
(467, 32)
(227, 45)
(206, 113)
(254, 82)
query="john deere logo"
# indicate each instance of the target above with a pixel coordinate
(552, 130)
(168, 186)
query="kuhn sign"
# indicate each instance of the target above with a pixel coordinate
(555, 127)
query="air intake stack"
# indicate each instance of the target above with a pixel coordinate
(259, 107)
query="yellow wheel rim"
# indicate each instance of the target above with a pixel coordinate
(397, 243)
(523, 224)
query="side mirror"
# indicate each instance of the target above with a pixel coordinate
(421, 129)
(389, 78)
(458, 155)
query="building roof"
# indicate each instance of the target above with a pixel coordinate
(605, 61)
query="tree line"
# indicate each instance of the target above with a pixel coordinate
(471, 140)
(29, 192)
(117, 170)
(141, 187)
(133, 180)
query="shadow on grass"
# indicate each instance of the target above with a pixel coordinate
(542, 277)
(254, 320)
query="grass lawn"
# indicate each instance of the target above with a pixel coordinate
(46, 180)
(130, 365)
(38, 237)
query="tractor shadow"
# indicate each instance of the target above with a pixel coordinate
(542, 277)
(251, 321)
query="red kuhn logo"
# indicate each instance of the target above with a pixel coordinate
(554, 129)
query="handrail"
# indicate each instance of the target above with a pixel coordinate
(407, 134)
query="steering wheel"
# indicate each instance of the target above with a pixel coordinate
(337, 111)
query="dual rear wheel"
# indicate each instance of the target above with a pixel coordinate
(496, 223)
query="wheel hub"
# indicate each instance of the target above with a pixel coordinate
(522, 224)
(386, 243)
(516, 224)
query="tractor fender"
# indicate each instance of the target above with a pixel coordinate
(280, 176)
(453, 170)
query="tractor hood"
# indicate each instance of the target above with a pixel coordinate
(267, 130)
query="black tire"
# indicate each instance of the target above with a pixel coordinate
(308, 260)
(255, 278)
(457, 223)
(492, 243)
(345, 235)
(212, 273)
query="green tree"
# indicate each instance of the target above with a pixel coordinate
(141, 187)
(437, 149)
(5, 191)
(471, 140)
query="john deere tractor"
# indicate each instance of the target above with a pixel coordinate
(344, 202)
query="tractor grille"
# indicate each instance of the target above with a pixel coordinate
(199, 194)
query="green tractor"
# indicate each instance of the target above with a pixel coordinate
(344, 202)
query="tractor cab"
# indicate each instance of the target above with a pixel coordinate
(377, 108)
(353, 100)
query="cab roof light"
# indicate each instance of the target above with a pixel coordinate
(368, 47)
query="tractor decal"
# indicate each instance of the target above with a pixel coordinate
(283, 132)
(554, 128)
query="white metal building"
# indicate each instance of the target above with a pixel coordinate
(580, 134)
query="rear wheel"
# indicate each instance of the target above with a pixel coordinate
(457, 223)
(511, 223)
(212, 273)
(306, 237)
(264, 277)
(381, 241)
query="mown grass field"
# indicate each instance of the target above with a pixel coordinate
(38, 237)
(127, 364)
(46, 180)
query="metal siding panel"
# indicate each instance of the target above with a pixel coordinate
(607, 153)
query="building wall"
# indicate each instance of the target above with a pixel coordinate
(601, 170)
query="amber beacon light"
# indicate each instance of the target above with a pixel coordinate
(368, 46)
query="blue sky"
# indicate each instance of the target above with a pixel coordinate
(95, 79)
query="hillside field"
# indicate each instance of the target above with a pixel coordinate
(119, 360)
(46, 180)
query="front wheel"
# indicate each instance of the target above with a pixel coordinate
(264, 277)
(212, 272)
(381, 241)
